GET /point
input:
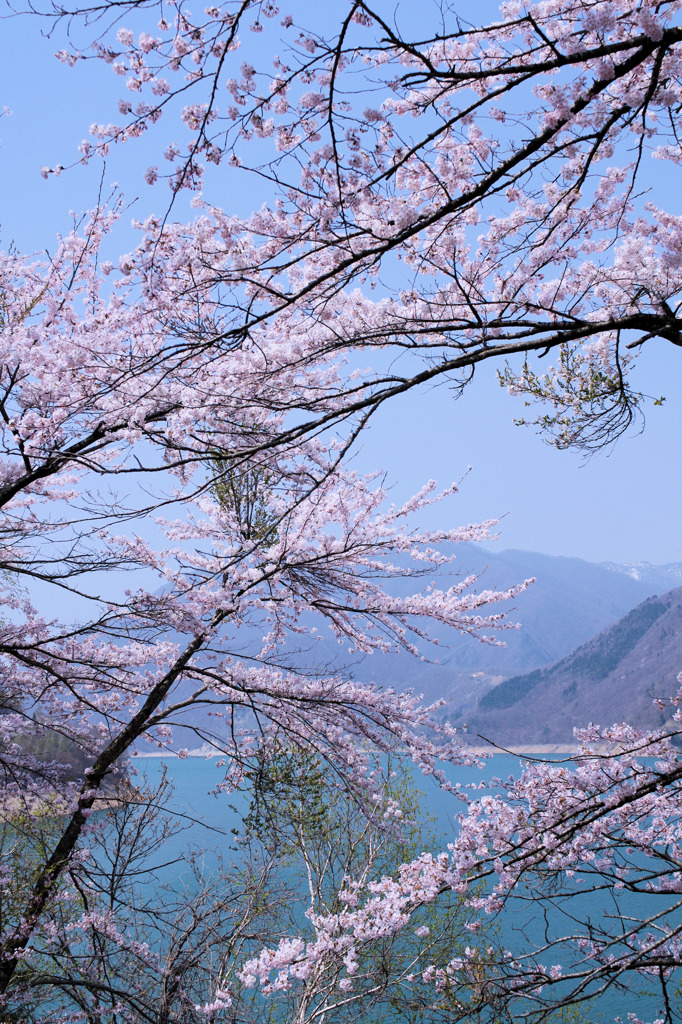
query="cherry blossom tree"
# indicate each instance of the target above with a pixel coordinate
(436, 196)
(545, 843)
(147, 950)
(141, 485)
(445, 191)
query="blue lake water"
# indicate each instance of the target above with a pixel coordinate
(210, 821)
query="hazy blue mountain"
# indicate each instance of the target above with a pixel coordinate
(613, 677)
(570, 601)
(661, 577)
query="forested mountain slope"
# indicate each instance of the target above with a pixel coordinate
(613, 677)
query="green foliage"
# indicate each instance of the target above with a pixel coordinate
(298, 804)
(319, 835)
(47, 745)
(288, 799)
(245, 492)
(588, 395)
(27, 835)
(303, 835)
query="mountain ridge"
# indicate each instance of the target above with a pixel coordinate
(612, 677)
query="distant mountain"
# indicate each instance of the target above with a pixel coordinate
(612, 678)
(570, 601)
(660, 577)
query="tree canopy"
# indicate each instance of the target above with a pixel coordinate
(175, 432)
(450, 191)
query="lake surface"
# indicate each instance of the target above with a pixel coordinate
(210, 821)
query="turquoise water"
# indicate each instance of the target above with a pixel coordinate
(209, 822)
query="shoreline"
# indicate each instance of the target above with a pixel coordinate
(206, 751)
(542, 749)
(521, 749)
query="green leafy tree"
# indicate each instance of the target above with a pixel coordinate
(245, 491)
(315, 836)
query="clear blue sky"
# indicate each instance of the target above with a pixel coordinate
(624, 506)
